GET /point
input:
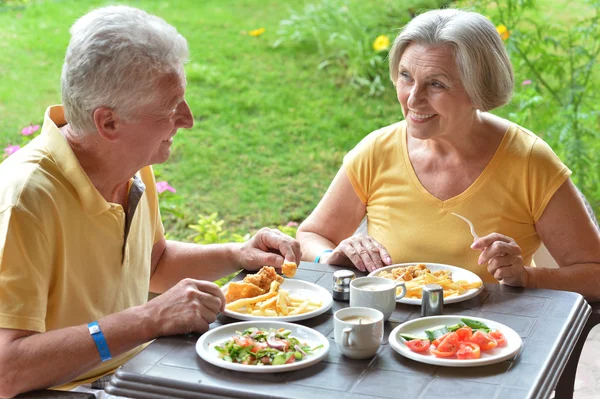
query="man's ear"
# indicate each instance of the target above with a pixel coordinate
(107, 123)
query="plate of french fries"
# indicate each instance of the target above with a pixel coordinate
(289, 300)
(459, 284)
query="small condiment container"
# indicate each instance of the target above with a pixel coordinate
(341, 284)
(432, 303)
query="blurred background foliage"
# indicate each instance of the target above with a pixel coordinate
(281, 90)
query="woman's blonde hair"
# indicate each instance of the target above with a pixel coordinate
(485, 69)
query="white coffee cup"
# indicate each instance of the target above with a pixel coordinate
(358, 331)
(376, 293)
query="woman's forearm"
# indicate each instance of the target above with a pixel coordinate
(312, 244)
(581, 278)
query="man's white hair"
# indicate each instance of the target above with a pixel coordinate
(114, 58)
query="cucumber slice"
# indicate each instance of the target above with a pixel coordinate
(410, 337)
(436, 332)
(455, 327)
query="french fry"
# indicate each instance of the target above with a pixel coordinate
(300, 309)
(268, 303)
(274, 286)
(282, 303)
(248, 301)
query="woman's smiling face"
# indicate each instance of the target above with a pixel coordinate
(434, 101)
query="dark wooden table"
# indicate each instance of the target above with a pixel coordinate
(550, 323)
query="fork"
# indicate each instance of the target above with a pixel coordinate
(473, 233)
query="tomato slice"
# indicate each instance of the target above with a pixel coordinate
(418, 345)
(468, 350)
(485, 341)
(437, 341)
(499, 337)
(243, 341)
(292, 359)
(258, 346)
(464, 333)
(448, 346)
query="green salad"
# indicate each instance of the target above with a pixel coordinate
(262, 347)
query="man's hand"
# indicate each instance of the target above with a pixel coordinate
(360, 251)
(504, 259)
(190, 306)
(268, 247)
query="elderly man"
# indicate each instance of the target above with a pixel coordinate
(81, 238)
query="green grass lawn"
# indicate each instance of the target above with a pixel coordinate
(270, 131)
(270, 128)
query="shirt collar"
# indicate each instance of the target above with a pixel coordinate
(64, 157)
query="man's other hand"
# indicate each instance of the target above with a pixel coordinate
(188, 307)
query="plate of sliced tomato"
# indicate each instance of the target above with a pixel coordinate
(455, 341)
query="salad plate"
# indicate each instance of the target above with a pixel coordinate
(417, 328)
(298, 289)
(212, 345)
(456, 272)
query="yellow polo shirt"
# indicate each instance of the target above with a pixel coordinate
(64, 258)
(508, 197)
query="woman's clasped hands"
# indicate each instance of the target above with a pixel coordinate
(360, 251)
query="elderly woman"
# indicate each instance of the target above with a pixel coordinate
(448, 156)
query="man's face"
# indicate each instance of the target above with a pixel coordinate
(148, 140)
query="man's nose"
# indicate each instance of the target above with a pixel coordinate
(185, 118)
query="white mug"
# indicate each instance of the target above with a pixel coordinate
(358, 331)
(377, 293)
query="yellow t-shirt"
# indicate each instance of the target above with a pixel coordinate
(508, 197)
(63, 261)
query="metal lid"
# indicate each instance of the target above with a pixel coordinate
(432, 302)
(343, 277)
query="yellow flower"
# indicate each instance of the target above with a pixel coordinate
(257, 32)
(503, 31)
(382, 42)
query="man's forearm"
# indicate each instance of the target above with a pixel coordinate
(581, 278)
(59, 356)
(202, 262)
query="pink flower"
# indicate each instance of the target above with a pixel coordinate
(27, 130)
(11, 149)
(162, 186)
(292, 224)
(527, 82)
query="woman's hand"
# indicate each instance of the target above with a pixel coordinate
(360, 251)
(504, 259)
(269, 247)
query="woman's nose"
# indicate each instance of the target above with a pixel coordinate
(415, 96)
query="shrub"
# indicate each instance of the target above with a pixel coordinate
(556, 69)
(344, 36)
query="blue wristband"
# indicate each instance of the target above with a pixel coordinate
(101, 344)
(318, 258)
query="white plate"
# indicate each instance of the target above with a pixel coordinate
(298, 289)
(457, 274)
(205, 345)
(418, 326)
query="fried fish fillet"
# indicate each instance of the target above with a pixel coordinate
(289, 269)
(239, 290)
(264, 278)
